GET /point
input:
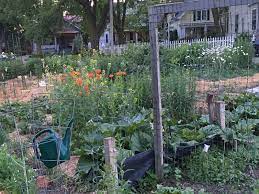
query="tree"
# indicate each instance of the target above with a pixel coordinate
(220, 16)
(43, 21)
(94, 14)
(11, 14)
(119, 14)
(137, 18)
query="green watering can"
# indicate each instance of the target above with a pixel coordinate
(52, 149)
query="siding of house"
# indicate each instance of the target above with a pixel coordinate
(186, 22)
(244, 19)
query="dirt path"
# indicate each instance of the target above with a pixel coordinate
(22, 90)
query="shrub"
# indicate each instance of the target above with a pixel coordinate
(35, 66)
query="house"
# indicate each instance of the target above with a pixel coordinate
(231, 20)
(244, 19)
(130, 37)
(63, 40)
(192, 24)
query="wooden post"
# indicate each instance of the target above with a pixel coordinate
(157, 105)
(211, 107)
(220, 113)
(111, 155)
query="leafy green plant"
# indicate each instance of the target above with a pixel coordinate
(12, 177)
(173, 190)
(217, 167)
(178, 90)
(148, 183)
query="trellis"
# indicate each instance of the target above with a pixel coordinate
(156, 15)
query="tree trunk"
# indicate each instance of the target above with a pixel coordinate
(218, 13)
(94, 39)
(121, 36)
(2, 37)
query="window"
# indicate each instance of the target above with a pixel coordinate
(198, 15)
(254, 19)
(194, 16)
(131, 36)
(236, 23)
(106, 38)
(201, 15)
(204, 14)
(208, 15)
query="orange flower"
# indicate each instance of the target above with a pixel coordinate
(80, 93)
(87, 90)
(79, 81)
(111, 76)
(74, 73)
(98, 71)
(90, 75)
(121, 73)
(98, 76)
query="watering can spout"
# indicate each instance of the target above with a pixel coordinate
(67, 137)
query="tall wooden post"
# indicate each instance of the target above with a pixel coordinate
(111, 155)
(211, 108)
(157, 105)
(220, 113)
(111, 26)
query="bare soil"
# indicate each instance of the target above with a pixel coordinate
(22, 91)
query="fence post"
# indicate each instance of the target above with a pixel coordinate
(220, 113)
(110, 155)
(211, 107)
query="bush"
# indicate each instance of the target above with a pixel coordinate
(35, 66)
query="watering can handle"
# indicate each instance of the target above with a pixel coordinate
(36, 136)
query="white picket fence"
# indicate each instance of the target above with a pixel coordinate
(227, 41)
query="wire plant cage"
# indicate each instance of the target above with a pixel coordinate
(42, 143)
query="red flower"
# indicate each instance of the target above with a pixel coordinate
(79, 81)
(87, 90)
(90, 75)
(111, 76)
(98, 71)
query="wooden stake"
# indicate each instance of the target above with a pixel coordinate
(220, 113)
(211, 108)
(111, 155)
(157, 105)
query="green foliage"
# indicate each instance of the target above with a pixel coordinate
(173, 190)
(192, 135)
(35, 66)
(218, 167)
(12, 178)
(2, 136)
(43, 21)
(148, 183)
(178, 90)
